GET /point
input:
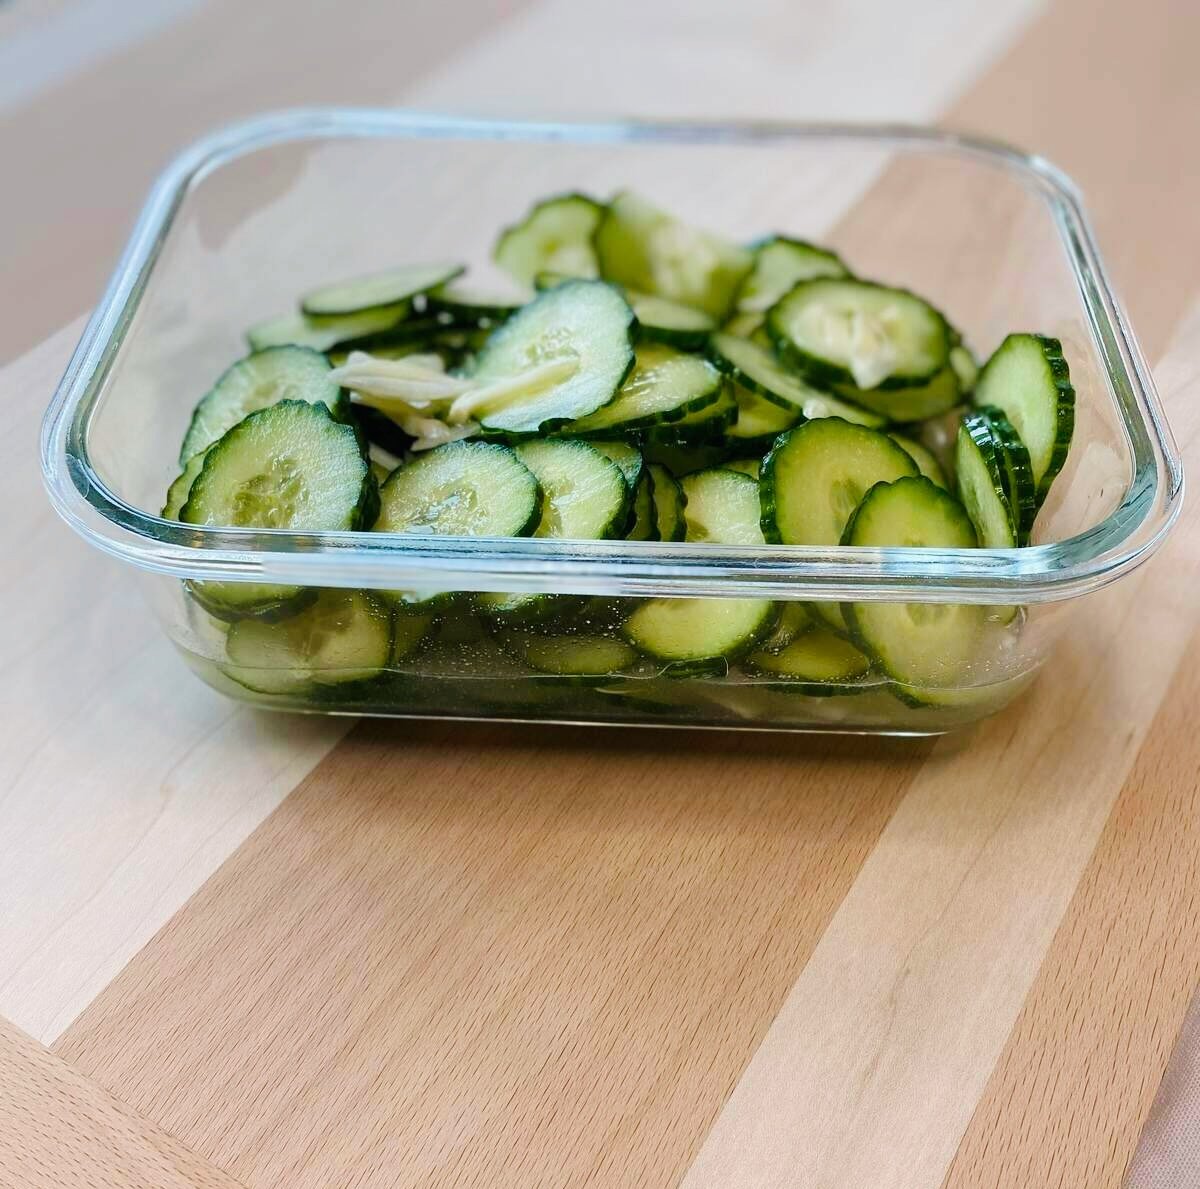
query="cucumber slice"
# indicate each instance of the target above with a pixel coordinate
(701, 427)
(699, 636)
(585, 496)
(627, 457)
(664, 321)
(816, 475)
(916, 403)
(979, 466)
(582, 326)
(256, 382)
(462, 489)
(643, 248)
(467, 305)
(287, 466)
(380, 430)
(177, 493)
(570, 656)
(722, 507)
(747, 466)
(859, 335)
(669, 502)
(1018, 472)
(780, 264)
(925, 459)
(683, 460)
(755, 367)
(1029, 381)
(665, 385)
(382, 289)
(965, 367)
(660, 320)
(324, 334)
(344, 636)
(793, 619)
(924, 644)
(745, 325)
(758, 418)
(821, 661)
(555, 236)
(643, 524)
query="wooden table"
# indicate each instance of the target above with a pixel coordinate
(247, 950)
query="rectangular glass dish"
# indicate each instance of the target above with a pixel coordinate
(250, 217)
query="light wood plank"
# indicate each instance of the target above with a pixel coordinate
(1081, 1066)
(921, 975)
(113, 808)
(60, 1131)
(542, 958)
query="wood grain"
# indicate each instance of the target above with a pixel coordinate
(60, 1131)
(113, 809)
(1079, 1071)
(920, 978)
(540, 958)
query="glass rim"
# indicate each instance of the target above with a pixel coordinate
(1040, 573)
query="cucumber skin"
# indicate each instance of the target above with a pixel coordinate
(766, 482)
(1064, 429)
(979, 430)
(823, 374)
(269, 611)
(1021, 490)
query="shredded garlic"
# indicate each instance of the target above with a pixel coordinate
(501, 392)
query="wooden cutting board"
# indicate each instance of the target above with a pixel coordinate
(263, 952)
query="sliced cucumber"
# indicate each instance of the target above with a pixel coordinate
(699, 636)
(859, 335)
(702, 427)
(645, 249)
(821, 661)
(722, 507)
(324, 334)
(555, 236)
(758, 419)
(965, 367)
(756, 367)
(287, 466)
(177, 493)
(585, 496)
(924, 644)
(576, 338)
(979, 467)
(665, 385)
(643, 524)
(916, 403)
(382, 289)
(747, 466)
(380, 430)
(793, 619)
(683, 460)
(669, 502)
(781, 263)
(745, 325)
(816, 475)
(627, 457)
(662, 320)
(1028, 380)
(925, 459)
(344, 636)
(467, 305)
(256, 382)
(570, 656)
(463, 489)
(1018, 472)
